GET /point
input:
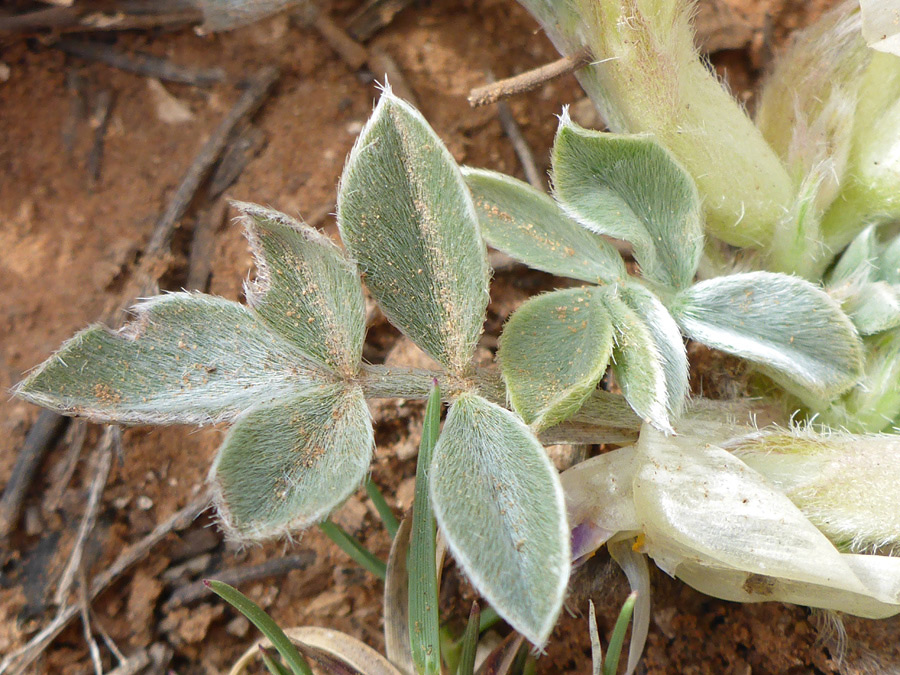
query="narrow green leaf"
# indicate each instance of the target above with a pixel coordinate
(611, 666)
(357, 552)
(470, 642)
(424, 624)
(638, 364)
(408, 220)
(632, 188)
(305, 288)
(388, 519)
(790, 327)
(264, 623)
(499, 503)
(553, 352)
(528, 225)
(185, 359)
(287, 465)
(668, 340)
(273, 664)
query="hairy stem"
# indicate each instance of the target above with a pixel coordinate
(604, 418)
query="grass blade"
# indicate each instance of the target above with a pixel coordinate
(349, 545)
(272, 663)
(424, 625)
(391, 524)
(470, 642)
(265, 623)
(618, 636)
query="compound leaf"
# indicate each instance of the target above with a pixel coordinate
(639, 367)
(287, 465)
(407, 218)
(305, 288)
(553, 352)
(790, 327)
(528, 225)
(631, 188)
(499, 503)
(185, 359)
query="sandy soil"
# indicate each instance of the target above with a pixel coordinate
(67, 245)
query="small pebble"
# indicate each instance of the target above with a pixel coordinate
(144, 503)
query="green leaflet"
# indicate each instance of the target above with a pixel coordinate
(783, 323)
(631, 188)
(287, 465)
(305, 289)
(553, 352)
(667, 338)
(639, 366)
(857, 261)
(408, 220)
(874, 308)
(185, 359)
(499, 503)
(528, 225)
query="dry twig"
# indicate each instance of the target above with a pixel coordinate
(101, 465)
(42, 435)
(100, 122)
(141, 64)
(202, 244)
(62, 473)
(520, 145)
(373, 16)
(240, 575)
(18, 661)
(493, 92)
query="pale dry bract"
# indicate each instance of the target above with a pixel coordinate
(406, 216)
(499, 502)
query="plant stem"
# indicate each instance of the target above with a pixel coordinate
(604, 418)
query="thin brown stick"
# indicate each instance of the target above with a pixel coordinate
(84, 611)
(133, 664)
(40, 438)
(62, 473)
(139, 63)
(100, 122)
(202, 244)
(257, 90)
(76, 19)
(25, 656)
(383, 65)
(100, 469)
(240, 575)
(245, 144)
(520, 146)
(493, 92)
(373, 16)
(351, 52)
